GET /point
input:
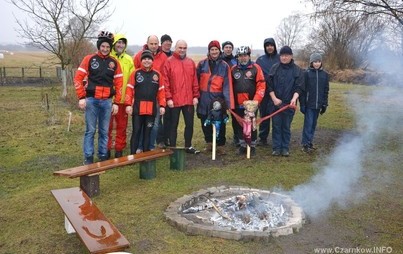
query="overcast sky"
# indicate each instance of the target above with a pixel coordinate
(246, 22)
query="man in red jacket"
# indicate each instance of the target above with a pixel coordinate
(181, 92)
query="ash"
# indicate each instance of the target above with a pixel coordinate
(248, 211)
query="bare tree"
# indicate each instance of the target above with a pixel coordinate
(61, 26)
(385, 8)
(345, 39)
(290, 30)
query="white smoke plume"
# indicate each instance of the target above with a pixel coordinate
(379, 119)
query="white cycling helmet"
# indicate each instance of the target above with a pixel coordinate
(243, 50)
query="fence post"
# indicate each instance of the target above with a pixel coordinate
(40, 71)
(22, 72)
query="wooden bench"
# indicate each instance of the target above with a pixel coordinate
(89, 174)
(95, 231)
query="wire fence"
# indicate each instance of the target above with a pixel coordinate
(28, 75)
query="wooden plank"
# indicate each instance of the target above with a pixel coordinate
(96, 232)
(112, 163)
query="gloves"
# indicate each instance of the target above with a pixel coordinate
(323, 109)
(207, 122)
(302, 109)
(226, 119)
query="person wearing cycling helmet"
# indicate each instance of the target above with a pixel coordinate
(104, 82)
(248, 84)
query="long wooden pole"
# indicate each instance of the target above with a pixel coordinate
(214, 146)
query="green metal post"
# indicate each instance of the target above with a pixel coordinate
(148, 170)
(177, 159)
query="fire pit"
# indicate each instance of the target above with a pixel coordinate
(235, 213)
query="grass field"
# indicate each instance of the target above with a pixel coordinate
(34, 143)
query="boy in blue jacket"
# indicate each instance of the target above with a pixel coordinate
(314, 99)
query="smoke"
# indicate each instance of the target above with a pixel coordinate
(359, 155)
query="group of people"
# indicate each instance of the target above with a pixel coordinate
(157, 85)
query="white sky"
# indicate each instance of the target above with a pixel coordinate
(246, 22)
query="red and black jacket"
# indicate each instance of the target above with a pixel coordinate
(248, 83)
(143, 90)
(104, 77)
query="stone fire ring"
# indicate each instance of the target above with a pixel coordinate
(175, 217)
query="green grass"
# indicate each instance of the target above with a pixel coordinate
(34, 143)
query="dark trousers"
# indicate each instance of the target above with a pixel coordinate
(310, 122)
(141, 124)
(208, 131)
(281, 134)
(266, 108)
(164, 127)
(188, 116)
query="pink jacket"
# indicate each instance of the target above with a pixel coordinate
(181, 84)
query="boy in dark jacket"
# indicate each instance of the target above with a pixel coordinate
(314, 99)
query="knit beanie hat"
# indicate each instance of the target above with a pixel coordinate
(214, 44)
(165, 37)
(105, 36)
(147, 54)
(315, 57)
(285, 50)
(227, 43)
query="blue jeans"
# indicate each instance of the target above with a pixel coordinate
(97, 110)
(281, 134)
(310, 122)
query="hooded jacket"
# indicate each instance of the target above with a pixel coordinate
(267, 60)
(126, 63)
(181, 85)
(316, 92)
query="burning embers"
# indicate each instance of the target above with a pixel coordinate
(236, 213)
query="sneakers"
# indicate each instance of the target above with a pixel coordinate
(88, 160)
(276, 153)
(118, 154)
(285, 153)
(192, 150)
(305, 149)
(162, 145)
(308, 148)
